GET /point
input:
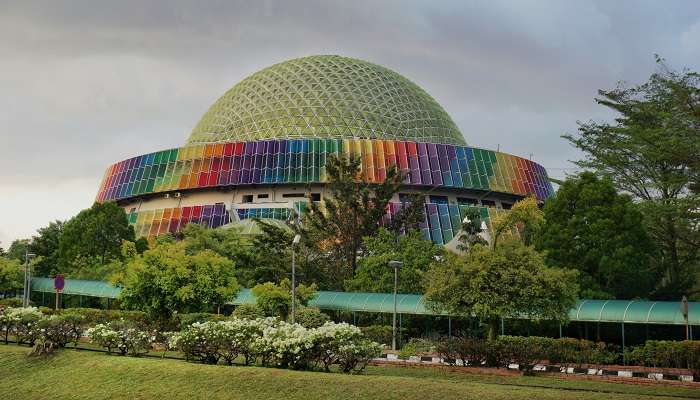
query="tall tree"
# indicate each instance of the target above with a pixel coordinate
(18, 249)
(45, 244)
(510, 281)
(93, 238)
(651, 151)
(592, 228)
(11, 275)
(352, 210)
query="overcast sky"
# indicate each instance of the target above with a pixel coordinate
(86, 83)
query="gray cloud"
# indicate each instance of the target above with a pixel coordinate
(86, 83)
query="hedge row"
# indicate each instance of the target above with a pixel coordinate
(525, 351)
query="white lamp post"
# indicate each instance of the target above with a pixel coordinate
(395, 265)
(295, 243)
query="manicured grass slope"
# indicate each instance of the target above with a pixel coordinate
(89, 375)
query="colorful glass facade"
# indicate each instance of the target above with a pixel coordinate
(304, 160)
(442, 221)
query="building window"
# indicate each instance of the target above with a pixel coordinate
(467, 202)
(247, 198)
(315, 196)
(263, 196)
(438, 199)
(292, 195)
(488, 203)
(506, 206)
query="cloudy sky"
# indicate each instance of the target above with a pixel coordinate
(86, 83)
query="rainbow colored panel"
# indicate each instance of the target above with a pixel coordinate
(442, 221)
(304, 160)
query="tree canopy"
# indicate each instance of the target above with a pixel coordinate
(594, 229)
(93, 238)
(169, 279)
(511, 280)
(276, 300)
(373, 273)
(11, 274)
(352, 210)
(651, 151)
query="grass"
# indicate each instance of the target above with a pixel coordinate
(79, 374)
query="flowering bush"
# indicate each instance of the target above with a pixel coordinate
(276, 343)
(121, 336)
(22, 323)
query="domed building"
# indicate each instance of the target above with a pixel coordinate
(260, 151)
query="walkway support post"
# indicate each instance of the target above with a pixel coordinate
(396, 265)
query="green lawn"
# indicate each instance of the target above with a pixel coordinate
(79, 374)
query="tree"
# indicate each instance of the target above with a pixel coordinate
(373, 273)
(525, 215)
(11, 275)
(510, 281)
(276, 300)
(352, 210)
(471, 230)
(46, 245)
(592, 228)
(18, 249)
(651, 151)
(92, 239)
(228, 243)
(168, 279)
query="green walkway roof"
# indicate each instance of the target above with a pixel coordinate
(633, 312)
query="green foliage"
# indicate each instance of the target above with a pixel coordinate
(524, 351)
(651, 151)
(525, 216)
(373, 273)
(471, 230)
(511, 280)
(310, 317)
(18, 250)
(351, 211)
(168, 278)
(93, 239)
(382, 334)
(46, 246)
(276, 300)
(592, 228)
(11, 274)
(667, 354)
(248, 311)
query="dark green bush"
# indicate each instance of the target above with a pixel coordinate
(667, 354)
(378, 333)
(248, 311)
(11, 302)
(310, 317)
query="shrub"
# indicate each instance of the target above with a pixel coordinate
(122, 336)
(277, 343)
(378, 333)
(310, 317)
(22, 323)
(13, 302)
(60, 329)
(667, 354)
(354, 356)
(248, 311)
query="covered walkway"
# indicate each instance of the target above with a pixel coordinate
(612, 311)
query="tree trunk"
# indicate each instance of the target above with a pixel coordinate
(492, 332)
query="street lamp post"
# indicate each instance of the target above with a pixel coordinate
(27, 279)
(395, 265)
(295, 242)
